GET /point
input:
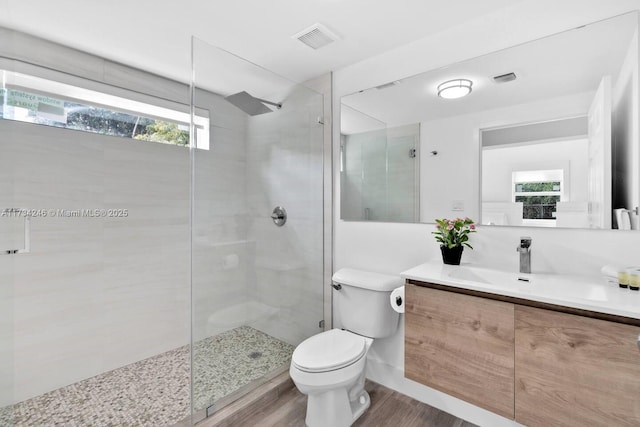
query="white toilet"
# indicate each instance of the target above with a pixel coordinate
(330, 367)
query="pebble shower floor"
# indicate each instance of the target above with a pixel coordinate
(154, 392)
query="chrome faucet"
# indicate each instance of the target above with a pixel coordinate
(525, 254)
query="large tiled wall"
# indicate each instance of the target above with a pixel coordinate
(285, 168)
(95, 293)
(245, 269)
(221, 252)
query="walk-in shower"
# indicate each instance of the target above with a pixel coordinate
(157, 287)
(249, 275)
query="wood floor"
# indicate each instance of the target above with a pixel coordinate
(388, 408)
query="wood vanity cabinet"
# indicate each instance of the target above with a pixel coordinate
(575, 371)
(539, 364)
(461, 345)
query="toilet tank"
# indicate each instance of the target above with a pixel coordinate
(363, 302)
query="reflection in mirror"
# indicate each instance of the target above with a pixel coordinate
(550, 127)
(378, 169)
(537, 174)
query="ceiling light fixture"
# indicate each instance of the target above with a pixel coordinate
(456, 88)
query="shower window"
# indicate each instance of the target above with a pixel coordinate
(35, 100)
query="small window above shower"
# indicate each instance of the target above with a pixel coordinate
(46, 102)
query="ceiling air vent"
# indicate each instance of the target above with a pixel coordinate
(316, 36)
(503, 78)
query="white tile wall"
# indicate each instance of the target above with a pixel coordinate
(95, 293)
(284, 168)
(220, 220)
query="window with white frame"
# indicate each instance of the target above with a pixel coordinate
(36, 100)
(539, 191)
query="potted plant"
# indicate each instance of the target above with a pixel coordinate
(453, 235)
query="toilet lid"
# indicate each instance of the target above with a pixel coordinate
(329, 351)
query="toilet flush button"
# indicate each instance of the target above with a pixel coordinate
(362, 400)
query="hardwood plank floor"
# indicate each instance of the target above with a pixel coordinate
(388, 408)
(393, 409)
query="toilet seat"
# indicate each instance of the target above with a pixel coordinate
(329, 351)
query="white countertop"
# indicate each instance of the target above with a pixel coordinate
(583, 292)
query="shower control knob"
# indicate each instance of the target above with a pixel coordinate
(279, 216)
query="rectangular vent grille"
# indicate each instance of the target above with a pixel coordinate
(316, 36)
(503, 78)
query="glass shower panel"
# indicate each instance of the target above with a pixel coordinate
(256, 287)
(95, 316)
(403, 173)
(363, 166)
(10, 240)
(379, 174)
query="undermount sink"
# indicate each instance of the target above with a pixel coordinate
(484, 275)
(556, 285)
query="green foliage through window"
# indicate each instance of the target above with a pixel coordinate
(538, 207)
(535, 187)
(164, 132)
(539, 199)
(30, 107)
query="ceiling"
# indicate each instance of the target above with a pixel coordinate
(156, 35)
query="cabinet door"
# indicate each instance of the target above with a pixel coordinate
(575, 371)
(461, 345)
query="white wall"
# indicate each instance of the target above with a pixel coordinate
(392, 248)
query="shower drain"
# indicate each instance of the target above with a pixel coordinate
(255, 355)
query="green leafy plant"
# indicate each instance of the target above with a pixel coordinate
(454, 232)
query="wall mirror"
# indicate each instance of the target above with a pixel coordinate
(547, 135)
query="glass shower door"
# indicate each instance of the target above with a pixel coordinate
(256, 279)
(10, 240)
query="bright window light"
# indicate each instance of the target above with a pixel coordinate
(36, 100)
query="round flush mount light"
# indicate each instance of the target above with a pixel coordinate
(453, 89)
